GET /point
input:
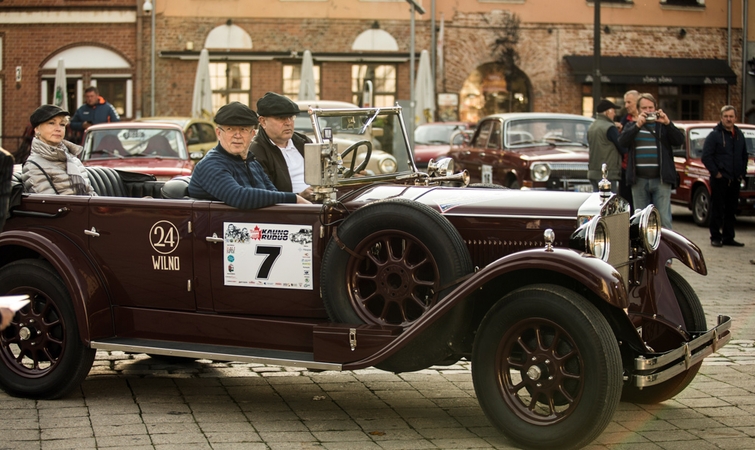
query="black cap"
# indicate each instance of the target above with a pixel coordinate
(605, 105)
(273, 104)
(45, 113)
(236, 114)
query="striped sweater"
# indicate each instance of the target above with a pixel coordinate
(239, 183)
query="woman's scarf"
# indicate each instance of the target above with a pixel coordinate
(61, 152)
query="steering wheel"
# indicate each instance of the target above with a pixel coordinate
(348, 173)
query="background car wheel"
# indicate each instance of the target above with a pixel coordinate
(41, 354)
(694, 320)
(405, 257)
(512, 183)
(701, 206)
(546, 368)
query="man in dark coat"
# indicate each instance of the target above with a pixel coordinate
(725, 157)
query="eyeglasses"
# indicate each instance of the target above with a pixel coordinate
(234, 130)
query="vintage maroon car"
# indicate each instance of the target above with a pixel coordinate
(152, 148)
(694, 179)
(433, 140)
(561, 300)
(528, 150)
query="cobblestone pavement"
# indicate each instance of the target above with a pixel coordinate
(139, 402)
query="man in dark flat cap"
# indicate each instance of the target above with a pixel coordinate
(278, 147)
(603, 139)
(231, 174)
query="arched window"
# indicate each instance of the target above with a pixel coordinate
(230, 80)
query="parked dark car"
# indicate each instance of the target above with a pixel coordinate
(433, 140)
(151, 148)
(694, 179)
(562, 301)
(528, 150)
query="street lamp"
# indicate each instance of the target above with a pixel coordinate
(149, 8)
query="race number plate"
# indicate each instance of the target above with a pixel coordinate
(267, 255)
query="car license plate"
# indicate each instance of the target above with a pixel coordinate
(583, 188)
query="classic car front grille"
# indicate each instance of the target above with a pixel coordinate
(749, 184)
(618, 229)
(568, 170)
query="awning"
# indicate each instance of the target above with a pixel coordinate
(618, 69)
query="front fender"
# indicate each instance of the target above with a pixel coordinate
(596, 275)
(674, 245)
(83, 281)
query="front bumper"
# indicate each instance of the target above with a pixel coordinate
(655, 370)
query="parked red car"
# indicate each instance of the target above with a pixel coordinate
(157, 149)
(433, 140)
(528, 150)
(694, 185)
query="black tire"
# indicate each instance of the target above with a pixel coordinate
(408, 253)
(694, 320)
(701, 207)
(513, 183)
(546, 368)
(41, 354)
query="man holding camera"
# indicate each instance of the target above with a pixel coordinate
(725, 157)
(650, 166)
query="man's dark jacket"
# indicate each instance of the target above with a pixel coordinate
(272, 160)
(666, 137)
(730, 161)
(102, 112)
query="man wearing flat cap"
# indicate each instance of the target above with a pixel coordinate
(603, 139)
(231, 174)
(278, 147)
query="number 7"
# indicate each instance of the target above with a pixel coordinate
(267, 265)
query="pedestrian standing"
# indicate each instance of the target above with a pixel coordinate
(603, 140)
(630, 106)
(650, 167)
(725, 157)
(94, 110)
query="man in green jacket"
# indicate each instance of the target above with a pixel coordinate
(603, 139)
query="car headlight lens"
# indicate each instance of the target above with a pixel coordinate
(388, 165)
(645, 229)
(540, 172)
(592, 238)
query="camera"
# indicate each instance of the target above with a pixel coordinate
(651, 117)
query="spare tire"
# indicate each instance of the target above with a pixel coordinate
(401, 258)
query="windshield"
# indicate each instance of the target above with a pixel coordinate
(697, 140)
(435, 134)
(134, 143)
(545, 130)
(378, 128)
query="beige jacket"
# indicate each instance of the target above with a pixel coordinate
(54, 161)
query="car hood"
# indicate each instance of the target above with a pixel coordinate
(549, 153)
(489, 202)
(159, 167)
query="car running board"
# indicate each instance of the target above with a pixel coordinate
(214, 352)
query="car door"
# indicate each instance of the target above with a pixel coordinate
(144, 248)
(263, 262)
(473, 158)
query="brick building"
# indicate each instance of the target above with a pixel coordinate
(686, 52)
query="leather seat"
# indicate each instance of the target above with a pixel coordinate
(106, 181)
(177, 188)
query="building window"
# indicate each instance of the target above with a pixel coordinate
(612, 92)
(383, 79)
(113, 90)
(292, 79)
(231, 82)
(695, 3)
(681, 102)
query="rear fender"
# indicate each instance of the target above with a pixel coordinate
(84, 283)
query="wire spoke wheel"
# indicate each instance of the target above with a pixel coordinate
(397, 280)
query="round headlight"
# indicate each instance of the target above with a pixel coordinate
(540, 172)
(645, 227)
(388, 165)
(598, 242)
